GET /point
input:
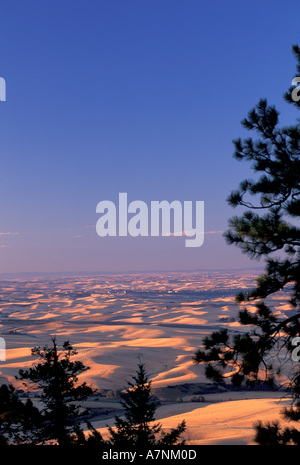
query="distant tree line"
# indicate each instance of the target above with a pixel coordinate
(59, 421)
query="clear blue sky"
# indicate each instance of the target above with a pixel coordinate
(136, 96)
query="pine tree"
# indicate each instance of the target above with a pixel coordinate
(267, 226)
(138, 428)
(57, 376)
(19, 422)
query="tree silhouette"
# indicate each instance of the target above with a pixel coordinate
(269, 225)
(57, 376)
(19, 422)
(138, 428)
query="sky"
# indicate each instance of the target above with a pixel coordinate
(130, 96)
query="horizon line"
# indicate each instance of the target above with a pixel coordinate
(107, 272)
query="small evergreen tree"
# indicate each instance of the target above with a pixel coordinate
(57, 376)
(136, 430)
(19, 422)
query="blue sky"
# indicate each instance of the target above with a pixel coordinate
(135, 96)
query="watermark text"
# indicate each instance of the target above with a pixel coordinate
(2, 89)
(163, 218)
(2, 350)
(296, 91)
